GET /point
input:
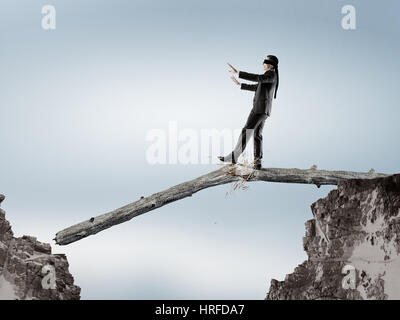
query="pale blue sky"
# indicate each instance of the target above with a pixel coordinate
(77, 102)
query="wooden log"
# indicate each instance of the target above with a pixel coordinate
(227, 174)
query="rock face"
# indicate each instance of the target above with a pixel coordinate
(353, 245)
(28, 270)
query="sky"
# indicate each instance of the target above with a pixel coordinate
(77, 104)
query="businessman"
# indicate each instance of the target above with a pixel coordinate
(265, 89)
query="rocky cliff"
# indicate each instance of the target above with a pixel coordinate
(353, 245)
(28, 270)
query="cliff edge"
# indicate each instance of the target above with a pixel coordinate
(28, 270)
(353, 245)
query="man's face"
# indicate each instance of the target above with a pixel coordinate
(267, 66)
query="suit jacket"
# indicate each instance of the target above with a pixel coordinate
(264, 89)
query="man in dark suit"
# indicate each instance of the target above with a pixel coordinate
(265, 90)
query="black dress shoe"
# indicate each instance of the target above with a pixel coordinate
(257, 164)
(229, 158)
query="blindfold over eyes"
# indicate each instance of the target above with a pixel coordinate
(270, 62)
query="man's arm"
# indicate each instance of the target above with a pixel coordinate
(268, 76)
(245, 86)
(250, 87)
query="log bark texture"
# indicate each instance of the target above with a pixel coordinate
(224, 175)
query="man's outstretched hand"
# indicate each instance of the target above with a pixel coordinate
(233, 70)
(235, 81)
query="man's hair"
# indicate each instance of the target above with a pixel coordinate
(273, 59)
(275, 62)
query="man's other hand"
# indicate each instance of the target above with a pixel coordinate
(235, 81)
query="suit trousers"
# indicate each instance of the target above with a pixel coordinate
(254, 126)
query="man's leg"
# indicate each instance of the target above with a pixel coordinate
(253, 121)
(258, 147)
